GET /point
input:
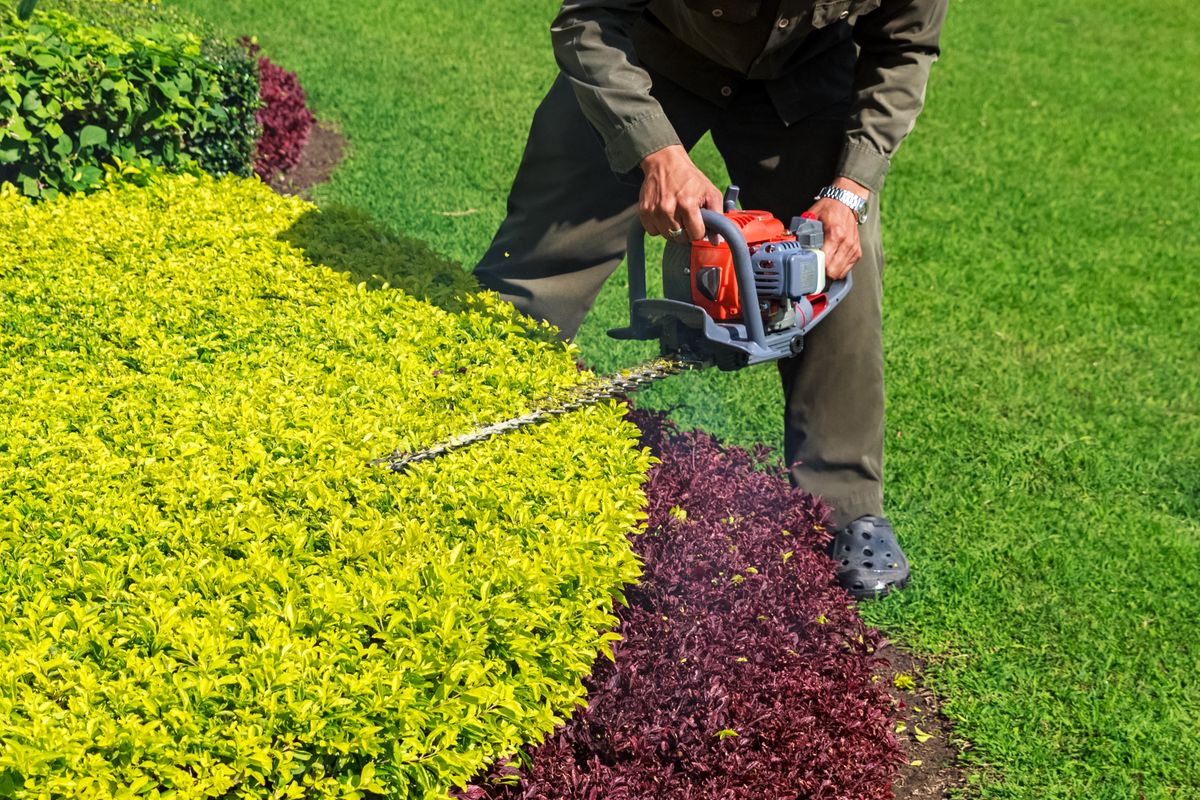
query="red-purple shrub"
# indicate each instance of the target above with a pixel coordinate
(284, 116)
(744, 671)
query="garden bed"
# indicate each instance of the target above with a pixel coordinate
(744, 671)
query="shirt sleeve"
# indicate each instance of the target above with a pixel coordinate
(898, 43)
(594, 50)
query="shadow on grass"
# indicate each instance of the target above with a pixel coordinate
(351, 241)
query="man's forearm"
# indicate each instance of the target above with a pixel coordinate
(898, 43)
(594, 50)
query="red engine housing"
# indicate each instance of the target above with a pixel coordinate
(759, 228)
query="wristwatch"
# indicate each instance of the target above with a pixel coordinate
(846, 198)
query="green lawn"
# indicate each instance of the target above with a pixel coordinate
(1043, 334)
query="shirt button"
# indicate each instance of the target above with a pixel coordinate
(726, 91)
(843, 15)
(718, 12)
(783, 23)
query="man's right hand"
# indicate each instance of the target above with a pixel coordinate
(673, 192)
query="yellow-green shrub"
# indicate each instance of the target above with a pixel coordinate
(205, 589)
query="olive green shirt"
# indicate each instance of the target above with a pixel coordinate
(868, 59)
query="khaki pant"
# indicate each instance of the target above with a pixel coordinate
(568, 216)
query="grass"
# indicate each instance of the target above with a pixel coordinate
(1043, 339)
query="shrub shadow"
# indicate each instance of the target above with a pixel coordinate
(351, 241)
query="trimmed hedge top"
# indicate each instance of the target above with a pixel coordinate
(205, 589)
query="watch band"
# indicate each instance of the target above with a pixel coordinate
(847, 198)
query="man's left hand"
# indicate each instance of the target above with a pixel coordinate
(842, 247)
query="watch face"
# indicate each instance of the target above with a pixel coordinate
(860, 206)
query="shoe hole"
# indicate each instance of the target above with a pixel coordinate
(858, 584)
(866, 536)
(887, 555)
(868, 552)
(846, 548)
(869, 565)
(845, 562)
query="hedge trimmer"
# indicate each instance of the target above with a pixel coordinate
(745, 294)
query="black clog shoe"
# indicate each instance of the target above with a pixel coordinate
(870, 563)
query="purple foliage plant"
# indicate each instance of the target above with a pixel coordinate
(744, 672)
(284, 116)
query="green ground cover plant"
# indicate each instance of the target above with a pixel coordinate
(85, 85)
(1041, 331)
(206, 589)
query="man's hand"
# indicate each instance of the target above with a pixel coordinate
(673, 192)
(842, 248)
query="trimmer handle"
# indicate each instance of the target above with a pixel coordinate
(742, 268)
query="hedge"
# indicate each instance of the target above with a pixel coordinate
(206, 590)
(744, 671)
(116, 84)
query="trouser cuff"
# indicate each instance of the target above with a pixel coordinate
(849, 508)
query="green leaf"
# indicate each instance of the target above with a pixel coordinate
(26, 7)
(92, 135)
(64, 146)
(89, 175)
(47, 60)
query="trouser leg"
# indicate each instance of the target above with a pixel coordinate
(568, 214)
(834, 390)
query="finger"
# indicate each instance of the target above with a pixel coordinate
(665, 222)
(853, 257)
(847, 256)
(691, 221)
(647, 203)
(649, 223)
(843, 265)
(833, 269)
(713, 201)
(855, 250)
(835, 259)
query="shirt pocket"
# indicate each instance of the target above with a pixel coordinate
(736, 11)
(826, 12)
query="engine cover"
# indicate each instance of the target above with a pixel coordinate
(788, 265)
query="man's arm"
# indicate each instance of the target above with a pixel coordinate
(595, 52)
(898, 43)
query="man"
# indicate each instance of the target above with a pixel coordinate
(806, 101)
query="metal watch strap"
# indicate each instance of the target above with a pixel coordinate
(847, 198)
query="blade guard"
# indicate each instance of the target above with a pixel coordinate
(688, 330)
